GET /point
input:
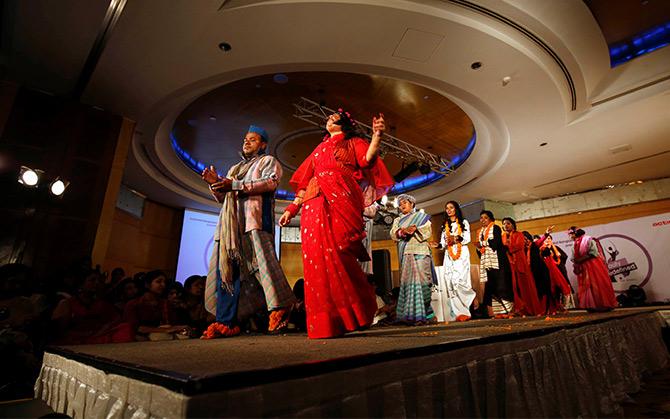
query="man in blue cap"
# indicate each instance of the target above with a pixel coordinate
(244, 242)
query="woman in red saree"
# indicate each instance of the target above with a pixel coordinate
(341, 177)
(526, 301)
(594, 286)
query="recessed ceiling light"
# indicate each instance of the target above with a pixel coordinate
(620, 148)
(225, 46)
(212, 118)
(280, 78)
(476, 65)
(543, 144)
(506, 80)
(426, 97)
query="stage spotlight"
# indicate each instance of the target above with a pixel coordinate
(58, 186)
(406, 171)
(29, 177)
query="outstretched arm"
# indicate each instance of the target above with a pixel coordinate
(292, 209)
(378, 127)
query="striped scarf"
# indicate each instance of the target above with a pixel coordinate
(229, 233)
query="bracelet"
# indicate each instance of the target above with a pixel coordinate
(292, 209)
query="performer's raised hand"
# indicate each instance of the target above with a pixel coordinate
(209, 175)
(549, 230)
(378, 127)
(378, 124)
(285, 219)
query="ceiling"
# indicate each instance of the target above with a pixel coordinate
(160, 64)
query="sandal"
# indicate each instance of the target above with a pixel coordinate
(219, 330)
(279, 319)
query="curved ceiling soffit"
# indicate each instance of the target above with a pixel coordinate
(570, 81)
(569, 84)
(491, 149)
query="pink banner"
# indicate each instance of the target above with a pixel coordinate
(637, 253)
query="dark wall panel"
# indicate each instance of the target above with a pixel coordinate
(67, 139)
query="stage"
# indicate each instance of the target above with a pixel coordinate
(565, 365)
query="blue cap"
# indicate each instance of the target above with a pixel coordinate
(260, 131)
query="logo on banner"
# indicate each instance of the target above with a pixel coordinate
(628, 261)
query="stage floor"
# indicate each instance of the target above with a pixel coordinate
(575, 364)
(195, 366)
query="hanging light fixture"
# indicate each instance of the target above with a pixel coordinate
(58, 186)
(29, 177)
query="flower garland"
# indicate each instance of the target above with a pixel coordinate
(482, 249)
(459, 246)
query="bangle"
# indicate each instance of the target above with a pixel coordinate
(292, 209)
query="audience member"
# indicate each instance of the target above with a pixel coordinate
(194, 299)
(298, 315)
(126, 290)
(175, 298)
(85, 318)
(150, 315)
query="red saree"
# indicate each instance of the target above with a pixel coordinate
(595, 290)
(339, 184)
(526, 301)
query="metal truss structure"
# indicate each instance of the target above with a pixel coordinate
(315, 114)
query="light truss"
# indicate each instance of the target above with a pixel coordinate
(315, 114)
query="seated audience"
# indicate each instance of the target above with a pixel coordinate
(22, 330)
(84, 318)
(150, 315)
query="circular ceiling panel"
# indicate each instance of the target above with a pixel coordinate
(210, 130)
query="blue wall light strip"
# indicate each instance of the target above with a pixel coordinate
(406, 185)
(640, 44)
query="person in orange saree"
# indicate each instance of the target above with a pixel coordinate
(341, 177)
(526, 301)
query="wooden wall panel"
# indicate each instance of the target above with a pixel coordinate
(141, 245)
(595, 217)
(291, 261)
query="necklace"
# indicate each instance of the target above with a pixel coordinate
(459, 246)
